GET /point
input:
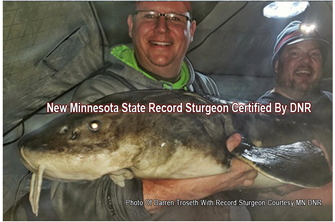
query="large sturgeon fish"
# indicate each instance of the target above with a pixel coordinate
(159, 145)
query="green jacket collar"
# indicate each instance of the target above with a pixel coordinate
(126, 55)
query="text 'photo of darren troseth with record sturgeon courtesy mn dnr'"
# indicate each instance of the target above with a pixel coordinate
(167, 110)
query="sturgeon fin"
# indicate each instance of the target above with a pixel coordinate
(301, 163)
(120, 176)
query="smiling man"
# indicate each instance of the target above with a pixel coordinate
(299, 70)
(298, 58)
(161, 33)
(161, 39)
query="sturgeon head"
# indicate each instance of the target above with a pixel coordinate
(75, 147)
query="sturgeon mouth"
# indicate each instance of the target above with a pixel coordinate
(34, 168)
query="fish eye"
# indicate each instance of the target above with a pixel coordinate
(94, 125)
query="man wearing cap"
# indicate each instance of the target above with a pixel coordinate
(161, 33)
(298, 58)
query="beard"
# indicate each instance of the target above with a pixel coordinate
(296, 89)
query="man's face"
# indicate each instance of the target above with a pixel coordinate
(299, 68)
(160, 43)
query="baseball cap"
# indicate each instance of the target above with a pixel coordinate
(294, 33)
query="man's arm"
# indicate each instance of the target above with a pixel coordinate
(191, 189)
